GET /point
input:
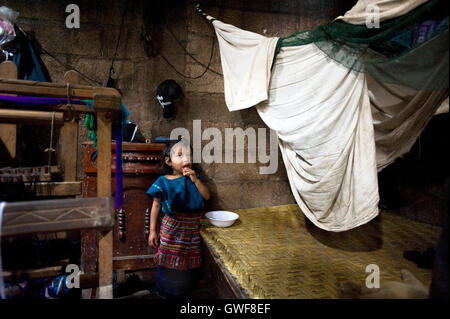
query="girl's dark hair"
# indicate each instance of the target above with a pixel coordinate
(166, 169)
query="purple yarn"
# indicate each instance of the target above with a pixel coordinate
(37, 100)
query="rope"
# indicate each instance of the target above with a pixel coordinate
(204, 15)
(70, 67)
(2, 283)
(190, 54)
(111, 68)
(50, 148)
(67, 66)
(207, 67)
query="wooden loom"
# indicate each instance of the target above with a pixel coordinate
(65, 214)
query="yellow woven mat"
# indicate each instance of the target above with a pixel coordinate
(275, 252)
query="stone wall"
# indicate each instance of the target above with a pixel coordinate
(175, 25)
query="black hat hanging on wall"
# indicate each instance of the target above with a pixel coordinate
(166, 93)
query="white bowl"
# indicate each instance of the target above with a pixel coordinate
(222, 218)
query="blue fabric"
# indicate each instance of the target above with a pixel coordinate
(29, 64)
(176, 284)
(177, 195)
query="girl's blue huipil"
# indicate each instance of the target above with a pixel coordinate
(177, 195)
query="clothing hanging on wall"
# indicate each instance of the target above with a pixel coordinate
(29, 64)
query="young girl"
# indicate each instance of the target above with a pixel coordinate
(180, 195)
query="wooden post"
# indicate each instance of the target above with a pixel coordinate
(8, 132)
(69, 138)
(106, 107)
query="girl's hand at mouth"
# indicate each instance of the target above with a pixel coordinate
(187, 171)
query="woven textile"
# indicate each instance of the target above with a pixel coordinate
(180, 247)
(275, 252)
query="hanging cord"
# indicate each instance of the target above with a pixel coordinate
(111, 68)
(188, 76)
(67, 66)
(190, 54)
(204, 15)
(207, 67)
(70, 67)
(2, 283)
(50, 149)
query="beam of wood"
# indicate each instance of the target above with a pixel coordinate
(28, 174)
(105, 244)
(33, 273)
(89, 280)
(8, 132)
(102, 103)
(8, 135)
(31, 117)
(29, 217)
(56, 188)
(86, 280)
(105, 265)
(139, 147)
(78, 108)
(69, 138)
(71, 77)
(8, 70)
(36, 88)
(69, 150)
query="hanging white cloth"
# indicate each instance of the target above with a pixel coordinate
(246, 60)
(324, 115)
(387, 9)
(321, 113)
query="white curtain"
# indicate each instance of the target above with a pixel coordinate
(321, 113)
(387, 9)
(328, 120)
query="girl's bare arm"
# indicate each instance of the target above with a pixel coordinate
(204, 191)
(153, 239)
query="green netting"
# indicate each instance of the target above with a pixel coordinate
(410, 50)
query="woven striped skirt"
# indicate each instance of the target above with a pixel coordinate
(180, 245)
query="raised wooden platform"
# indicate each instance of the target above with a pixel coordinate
(275, 252)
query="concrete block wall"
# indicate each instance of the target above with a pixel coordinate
(176, 24)
(91, 48)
